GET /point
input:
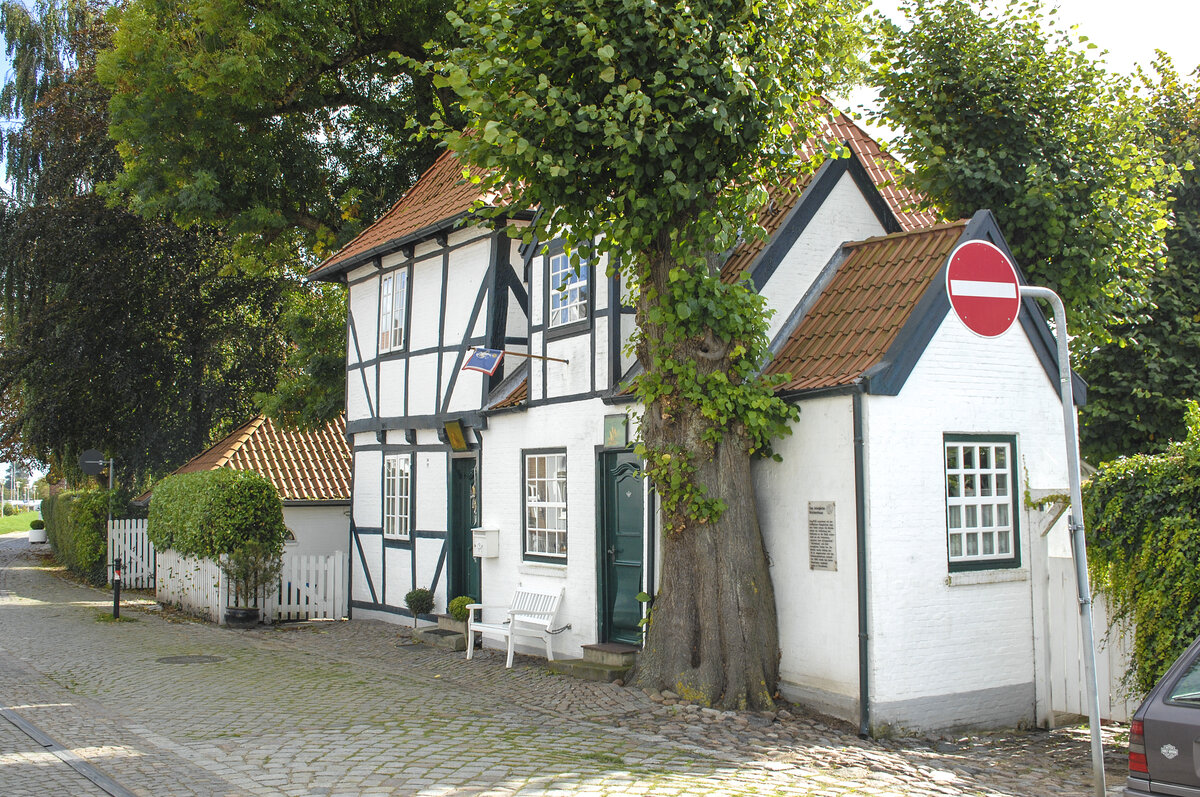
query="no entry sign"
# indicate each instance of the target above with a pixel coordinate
(982, 285)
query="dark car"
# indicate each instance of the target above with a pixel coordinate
(1164, 738)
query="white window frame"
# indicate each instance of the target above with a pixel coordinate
(568, 291)
(397, 496)
(393, 310)
(982, 529)
(545, 478)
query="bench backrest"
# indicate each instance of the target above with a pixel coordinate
(531, 601)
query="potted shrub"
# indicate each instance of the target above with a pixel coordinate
(419, 601)
(250, 568)
(37, 530)
(455, 618)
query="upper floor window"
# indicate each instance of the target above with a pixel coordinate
(568, 291)
(397, 495)
(980, 502)
(393, 304)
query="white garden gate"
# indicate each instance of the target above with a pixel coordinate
(1068, 693)
(310, 587)
(128, 542)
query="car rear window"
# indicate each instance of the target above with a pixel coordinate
(1187, 688)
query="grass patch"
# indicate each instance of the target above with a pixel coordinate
(603, 758)
(17, 522)
(106, 617)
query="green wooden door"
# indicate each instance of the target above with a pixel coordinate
(463, 568)
(622, 540)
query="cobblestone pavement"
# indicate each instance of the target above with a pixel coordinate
(358, 709)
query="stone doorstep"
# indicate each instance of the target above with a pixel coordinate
(588, 670)
(613, 654)
(441, 638)
(448, 623)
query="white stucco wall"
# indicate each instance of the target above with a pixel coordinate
(579, 428)
(817, 609)
(843, 216)
(319, 530)
(955, 649)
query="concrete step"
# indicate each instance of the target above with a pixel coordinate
(614, 654)
(587, 670)
(441, 638)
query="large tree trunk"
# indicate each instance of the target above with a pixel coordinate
(713, 635)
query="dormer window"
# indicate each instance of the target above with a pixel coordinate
(393, 305)
(568, 291)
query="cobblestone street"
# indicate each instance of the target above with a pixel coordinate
(162, 705)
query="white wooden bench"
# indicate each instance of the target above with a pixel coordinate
(531, 614)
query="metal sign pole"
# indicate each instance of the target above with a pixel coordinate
(1075, 523)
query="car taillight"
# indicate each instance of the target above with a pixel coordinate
(1137, 748)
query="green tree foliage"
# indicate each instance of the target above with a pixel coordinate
(311, 390)
(646, 133)
(1001, 109)
(213, 513)
(1143, 520)
(119, 333)
(271, 116)
(1137, 392)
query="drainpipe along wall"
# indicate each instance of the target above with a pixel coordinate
(860, 512)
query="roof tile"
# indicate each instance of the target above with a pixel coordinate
(303, 466)
(857, 318)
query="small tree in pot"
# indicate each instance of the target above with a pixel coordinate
(251, 568)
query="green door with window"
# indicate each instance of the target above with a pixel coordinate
(463, 568)
(622, 547)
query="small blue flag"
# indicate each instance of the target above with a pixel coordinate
(484, 360)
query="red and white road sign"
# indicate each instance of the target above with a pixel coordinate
(982, 285)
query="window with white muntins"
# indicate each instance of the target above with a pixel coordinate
(981, 516)
(397, 496)
(568, 291)
(546, 505)
(393, 307)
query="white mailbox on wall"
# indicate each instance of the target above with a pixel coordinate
(485, 543)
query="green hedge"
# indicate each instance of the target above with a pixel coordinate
(210, 513)
(1143, 521)
(75, 529)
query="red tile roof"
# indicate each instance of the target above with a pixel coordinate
(856, 318)
(881, 167)
(441, 195)
(516, 398)
(303, 466)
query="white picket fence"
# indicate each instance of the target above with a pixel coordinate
(128, 542)
(192, 584)
(310, 587)
(1068, 691)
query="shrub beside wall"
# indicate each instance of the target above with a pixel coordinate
(76, 530)
(1143, 523)
(210, 513)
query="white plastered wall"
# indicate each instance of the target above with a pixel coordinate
(319, 530)
(843, 216)
(817, 609)
(579, 428)
(956, 649)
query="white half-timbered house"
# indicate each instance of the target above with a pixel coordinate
(538, 456)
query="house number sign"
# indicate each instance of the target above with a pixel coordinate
(822, 536)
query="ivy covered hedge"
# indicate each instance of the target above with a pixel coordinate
(1143, 520)
(211, 513)
(76, 530)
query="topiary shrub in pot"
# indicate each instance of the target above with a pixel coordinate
(37, 530)
(457, 608)
(419, 601)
